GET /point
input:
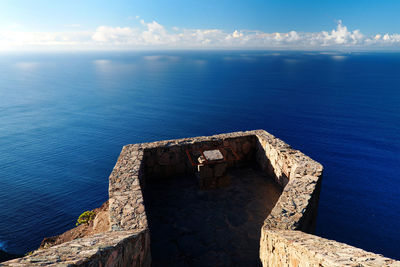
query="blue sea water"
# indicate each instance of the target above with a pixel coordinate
(64, 118)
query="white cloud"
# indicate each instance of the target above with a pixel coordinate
(153, 34)
(341, 36)
(28, 40)
(116, 35)
(237, 34)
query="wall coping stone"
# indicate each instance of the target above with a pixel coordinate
(295, 248)
(79, 252)
(304, 175)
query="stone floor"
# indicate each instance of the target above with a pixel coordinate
(219, 227)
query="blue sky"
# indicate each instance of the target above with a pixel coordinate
(123, 24)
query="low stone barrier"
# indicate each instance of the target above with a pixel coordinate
(115, 248)
(127, 243)
(169, 158)
(295, 248)
(301, 178)
(281, 244)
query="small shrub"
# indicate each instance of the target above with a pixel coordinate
(29, 253)
(86, 217)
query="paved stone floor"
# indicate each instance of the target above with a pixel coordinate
(219, 227)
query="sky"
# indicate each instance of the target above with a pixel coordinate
(205, 24)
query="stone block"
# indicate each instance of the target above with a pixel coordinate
(213, 155)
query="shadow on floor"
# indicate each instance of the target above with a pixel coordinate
(219, 227)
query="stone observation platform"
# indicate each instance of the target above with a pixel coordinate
(192, 227)
(236, 199)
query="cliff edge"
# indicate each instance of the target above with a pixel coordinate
(100, 223)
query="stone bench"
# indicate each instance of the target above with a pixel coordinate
(212, 170)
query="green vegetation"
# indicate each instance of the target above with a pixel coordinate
(86, 217)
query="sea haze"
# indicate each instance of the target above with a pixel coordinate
(65, 117)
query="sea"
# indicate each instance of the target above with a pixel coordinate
(64, 117)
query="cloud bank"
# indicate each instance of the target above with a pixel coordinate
(152, 35)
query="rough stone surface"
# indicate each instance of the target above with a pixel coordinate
(165, 159)
(212, 155)
(126, 205)
(301, 177)
(127, 243)
(295, 248)
(118, 248)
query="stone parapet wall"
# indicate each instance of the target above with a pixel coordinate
(127, 242)
(140, 162)
(169, 158)
(116, 248)
(301, 178)
(295, 248)
(126, 205)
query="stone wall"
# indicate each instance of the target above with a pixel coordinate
(169, 158)
(281, 242)
(116, 248)
(126, 205)
(301, 178)
(140, 162)
(127, 242)
(295, 248)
